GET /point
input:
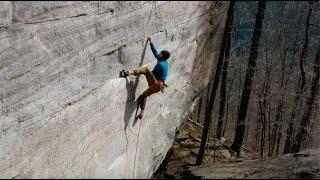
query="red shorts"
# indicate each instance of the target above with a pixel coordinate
(154, 84)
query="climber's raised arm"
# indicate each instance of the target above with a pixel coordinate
(153, 48)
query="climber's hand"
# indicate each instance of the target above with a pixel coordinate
(149, 38)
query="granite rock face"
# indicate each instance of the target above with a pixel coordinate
(64, 111)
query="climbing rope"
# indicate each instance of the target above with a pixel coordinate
(135, 156)
(142, 57)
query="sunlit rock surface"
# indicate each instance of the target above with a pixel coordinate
(64, 111)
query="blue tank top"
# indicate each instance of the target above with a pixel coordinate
(161, 68)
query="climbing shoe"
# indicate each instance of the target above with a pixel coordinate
(124, 73)
(140, 116)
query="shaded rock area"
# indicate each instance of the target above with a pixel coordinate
(64, 111)
(220, 164)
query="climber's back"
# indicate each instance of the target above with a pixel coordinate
(162, 67)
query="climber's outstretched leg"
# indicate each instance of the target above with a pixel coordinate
(141, 70)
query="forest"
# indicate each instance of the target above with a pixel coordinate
(263, 96)
(272, 94)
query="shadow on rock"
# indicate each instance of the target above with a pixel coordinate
(131, 103)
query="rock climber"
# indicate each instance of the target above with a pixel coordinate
(156, 78)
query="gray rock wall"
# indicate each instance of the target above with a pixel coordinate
(64, 113)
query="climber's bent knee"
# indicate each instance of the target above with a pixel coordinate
(141, 70)
(147, 70)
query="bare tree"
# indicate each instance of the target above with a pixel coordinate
(223, 92)
(301, 84)
(215, 85)
(240, 127)
(305, 121)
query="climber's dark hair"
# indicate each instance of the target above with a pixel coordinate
(165, 54)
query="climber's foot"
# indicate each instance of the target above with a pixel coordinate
(124, 73)
(140, 116)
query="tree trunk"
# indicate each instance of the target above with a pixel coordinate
(276, 131)
(227, 113)
(290, 129)
(240, 127)
(305, 121)
(214, 87)
(262, 120)
(199, 110)
(223, 91)
(279, 139)
(257, 133)
(288, 143)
